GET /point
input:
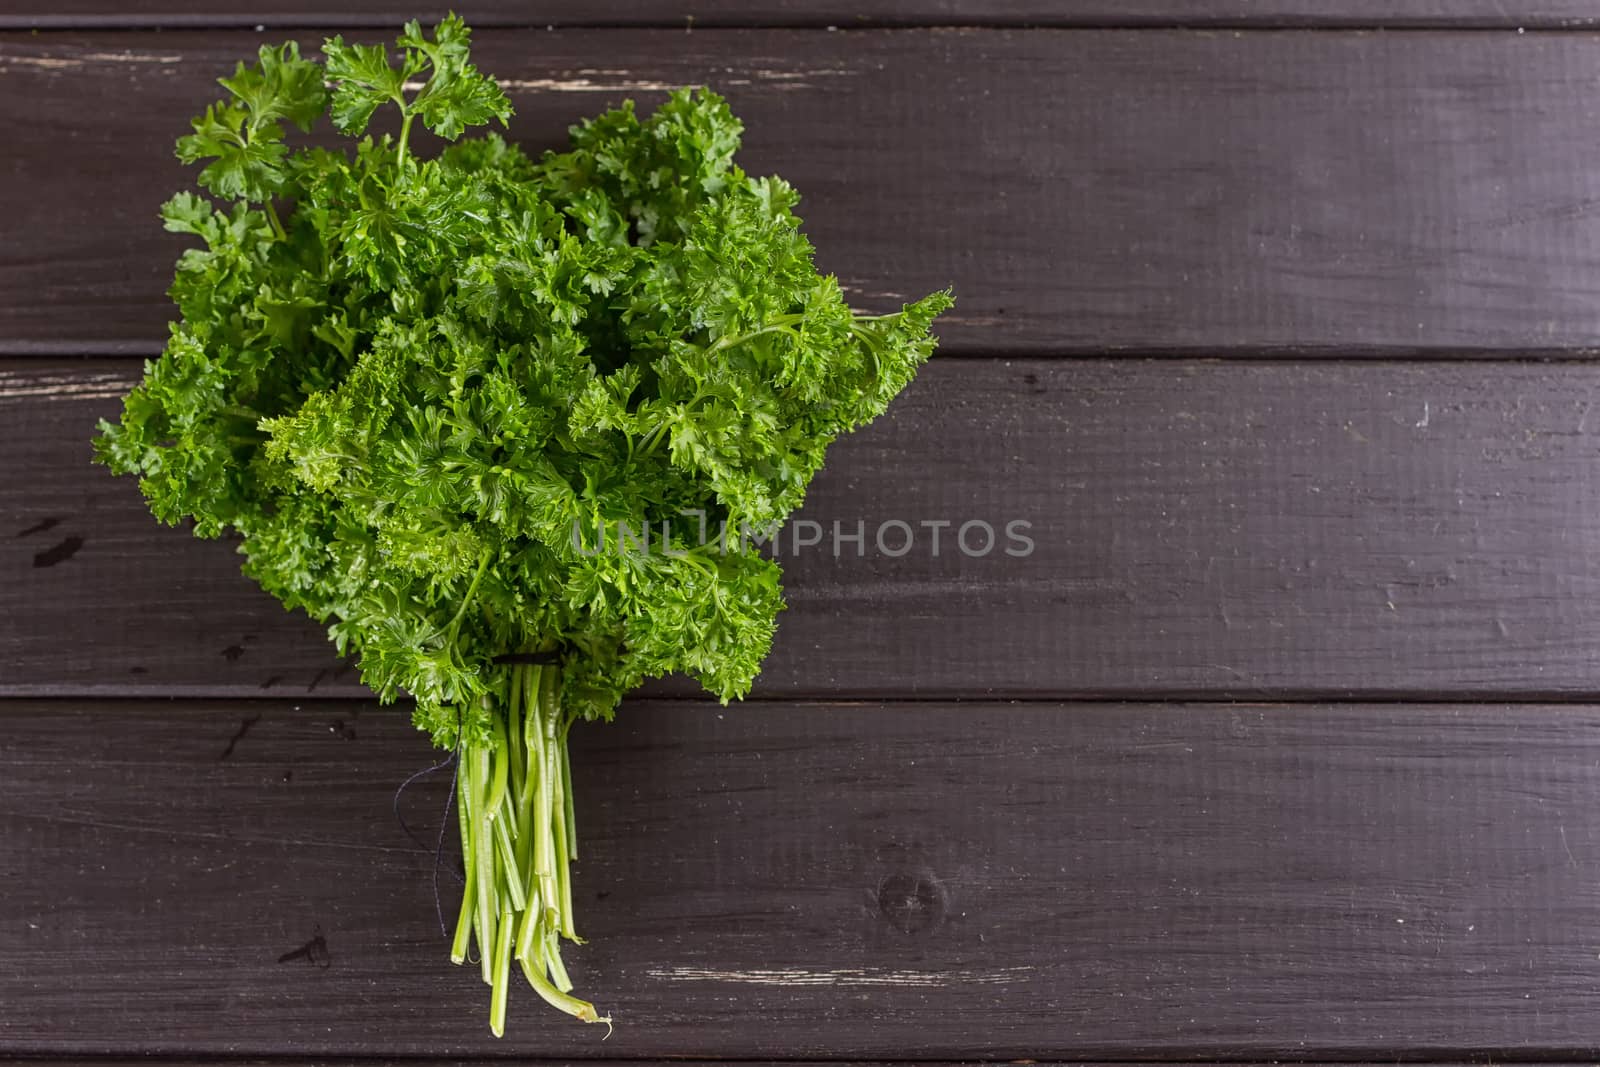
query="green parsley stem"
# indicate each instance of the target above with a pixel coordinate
(580, 1009)
(782, 322)
(543, 853)
(277, 223)
(458, 947)
(405, 134)
(530, 924)
(483, 854)
(558, 970)
(514, 736)
(555, 846)
(498, 754)
(466, 601)
(508, 857)
(653, 438)
(502, 976)
(569, 816)
(526, 755)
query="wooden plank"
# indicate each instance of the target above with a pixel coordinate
(170, 14)
(901, 881)
(1297, 529)
(1150, 191)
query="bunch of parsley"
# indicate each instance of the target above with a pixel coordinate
(422, 391)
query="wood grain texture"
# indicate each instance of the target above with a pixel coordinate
(1294, 529)
(903, 881)
(1182, 192)
(92, 14)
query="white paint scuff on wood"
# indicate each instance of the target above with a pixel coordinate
(850, 976)
(606, 80)
(586, 85)
(81, 59)
(582, 82)
(16, 385)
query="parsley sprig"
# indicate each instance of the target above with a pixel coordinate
(421, 392)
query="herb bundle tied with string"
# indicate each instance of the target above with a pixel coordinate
(421, 390)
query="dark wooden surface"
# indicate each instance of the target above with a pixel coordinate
(815, 880)
(1292, 529)
(1349, 486)
(1314, 192)
(1499, 14)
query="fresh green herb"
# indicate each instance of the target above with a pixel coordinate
(422, 391)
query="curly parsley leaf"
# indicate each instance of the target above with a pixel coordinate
(453, 97)
(243, 137)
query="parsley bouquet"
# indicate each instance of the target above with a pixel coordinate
(421, 391)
